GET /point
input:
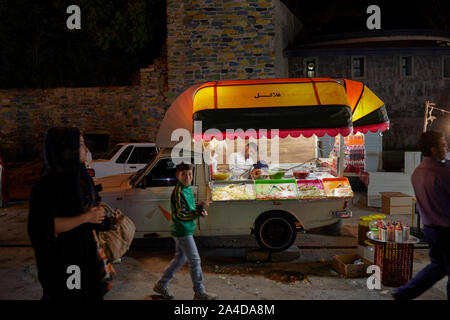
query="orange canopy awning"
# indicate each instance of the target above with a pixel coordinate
(295, 106)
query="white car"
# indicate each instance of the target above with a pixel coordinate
(124, 158)
(145, 197)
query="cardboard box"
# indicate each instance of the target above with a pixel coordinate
(345, 266)
(396, 203)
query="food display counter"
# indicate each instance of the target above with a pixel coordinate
(281, 189)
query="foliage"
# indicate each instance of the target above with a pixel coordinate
(116, 39)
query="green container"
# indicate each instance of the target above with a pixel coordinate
(274, 175)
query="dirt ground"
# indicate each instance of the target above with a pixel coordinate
(226, 270)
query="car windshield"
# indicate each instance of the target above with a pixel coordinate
(137, 174)
(108, 155)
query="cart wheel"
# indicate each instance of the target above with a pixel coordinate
(275, 231)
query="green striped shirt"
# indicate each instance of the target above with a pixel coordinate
(184, 211)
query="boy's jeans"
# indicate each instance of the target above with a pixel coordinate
(186, 250)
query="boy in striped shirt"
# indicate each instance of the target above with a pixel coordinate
(184, 214)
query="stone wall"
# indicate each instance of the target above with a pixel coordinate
(404, 97)
(125, 113)
(287, 27)
(211, 40)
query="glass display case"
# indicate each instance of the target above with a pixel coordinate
(233, 190)
(276, 189)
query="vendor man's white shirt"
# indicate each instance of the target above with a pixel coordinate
(237, 160)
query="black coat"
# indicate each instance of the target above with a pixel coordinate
(51, 197)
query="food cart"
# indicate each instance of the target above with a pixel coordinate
(274, 204)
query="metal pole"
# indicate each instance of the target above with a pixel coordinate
(425, 120)
(341, 155)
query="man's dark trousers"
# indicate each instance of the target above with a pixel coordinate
(439, 243)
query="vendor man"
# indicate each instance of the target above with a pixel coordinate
(237, 160)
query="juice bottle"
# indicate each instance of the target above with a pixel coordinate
(391, 232)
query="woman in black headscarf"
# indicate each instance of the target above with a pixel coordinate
(63, 212)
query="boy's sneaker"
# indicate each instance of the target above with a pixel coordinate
(205, 296)
(163, 291)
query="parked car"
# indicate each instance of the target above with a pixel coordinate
(145, 197)
(124, 158)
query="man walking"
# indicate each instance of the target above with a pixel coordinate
(431, 182)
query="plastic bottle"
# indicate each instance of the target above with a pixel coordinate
(406, 232)
(391, 232)
(398, 233)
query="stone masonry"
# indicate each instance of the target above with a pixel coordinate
(125, 113)
(212, 40)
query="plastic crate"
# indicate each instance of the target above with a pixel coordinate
(395, 261)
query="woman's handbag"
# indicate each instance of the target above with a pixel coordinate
(117, 241)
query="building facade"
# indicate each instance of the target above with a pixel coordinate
(404, 68)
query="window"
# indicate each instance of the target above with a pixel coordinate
(446, 67)
(142, 155)
(311, 68)
(406, 66)
(124, 155)
(162, 174)
(110, 154)
(358, 67)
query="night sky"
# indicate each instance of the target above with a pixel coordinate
(329, 17)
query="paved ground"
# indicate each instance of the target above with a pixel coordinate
(226, 270)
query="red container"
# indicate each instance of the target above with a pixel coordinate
(301, 174)
(316, 183)
(395, 261)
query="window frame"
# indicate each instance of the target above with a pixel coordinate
(142, 147)
(109, 155)
(124, 150)
(364, 75)
(443, 58)
(401, 67)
